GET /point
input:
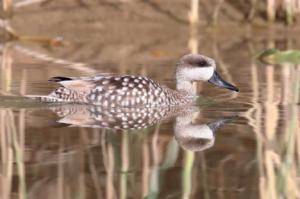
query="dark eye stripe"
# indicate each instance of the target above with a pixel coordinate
(198, 62)
(202, 63)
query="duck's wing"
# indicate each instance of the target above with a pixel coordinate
(79, 83)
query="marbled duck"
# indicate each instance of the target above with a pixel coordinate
(129, 91)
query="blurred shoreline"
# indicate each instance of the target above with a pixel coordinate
(110, 20)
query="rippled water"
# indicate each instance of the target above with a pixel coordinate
(61, 151)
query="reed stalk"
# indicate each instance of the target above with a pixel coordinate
(216, 12)
(253, 10)
(271, 10)
(193, 14)
(7, 6)
(6, 69)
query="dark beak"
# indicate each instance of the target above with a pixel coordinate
(218, 81)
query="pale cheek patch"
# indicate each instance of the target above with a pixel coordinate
(200, 74)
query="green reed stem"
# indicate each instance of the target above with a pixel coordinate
(187, 173)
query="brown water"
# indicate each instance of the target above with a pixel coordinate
(254, 155)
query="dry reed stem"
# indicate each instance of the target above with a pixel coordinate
(6, 70)
(193, 45)
(27, 3)
(253, 10)
(193, 13)
(65, 63)
(216, 12)
(271, 10)
(7, 6)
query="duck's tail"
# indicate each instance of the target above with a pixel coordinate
(60, 94)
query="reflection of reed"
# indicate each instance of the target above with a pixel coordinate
(125, 166)
(110, 193)
(146, 167)
(277, 146)
(92, 163)
(154, 179)
(12, 140)
(6, 157)
(189, 157)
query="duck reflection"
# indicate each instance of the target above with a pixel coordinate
(190, 135)
(197, 137)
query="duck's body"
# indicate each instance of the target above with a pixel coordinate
(117, 91)
(131, 91)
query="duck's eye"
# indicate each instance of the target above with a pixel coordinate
(202, 63)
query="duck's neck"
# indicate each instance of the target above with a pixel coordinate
(187, 86)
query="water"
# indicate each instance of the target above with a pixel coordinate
(51, 151)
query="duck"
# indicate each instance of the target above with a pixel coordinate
(110, 90)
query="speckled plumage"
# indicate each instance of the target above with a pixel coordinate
(117, 91)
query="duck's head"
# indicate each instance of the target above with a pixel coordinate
(196, 67)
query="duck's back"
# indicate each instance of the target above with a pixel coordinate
(114, 91)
